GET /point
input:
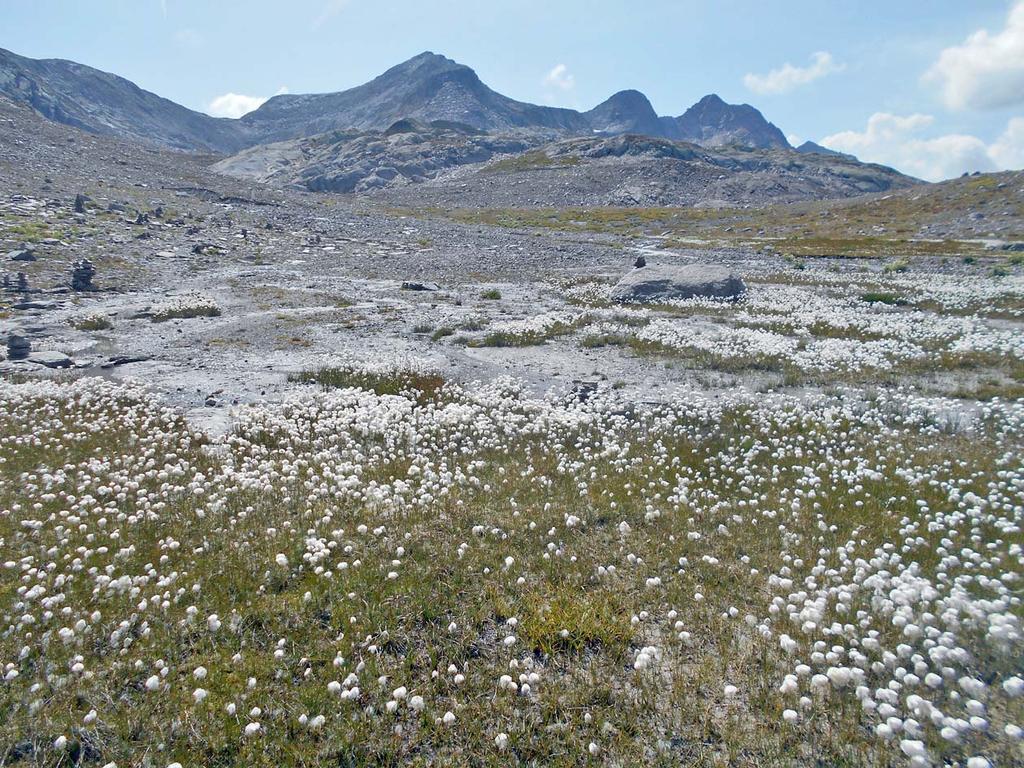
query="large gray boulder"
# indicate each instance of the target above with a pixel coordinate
(663, 283)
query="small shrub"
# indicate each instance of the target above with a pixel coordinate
(441, 333)
(492, 294)
(92, 323)
(184, 308)
(421, 385)
(875, 297)
(422, 328)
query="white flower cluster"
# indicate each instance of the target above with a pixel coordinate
(191, 305)
(346, 565)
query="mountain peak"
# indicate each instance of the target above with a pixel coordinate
(714, 122)
(711, 100)
(427, 62)
(625, 112)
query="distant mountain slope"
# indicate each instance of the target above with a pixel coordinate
(102, 103)
(810, 147)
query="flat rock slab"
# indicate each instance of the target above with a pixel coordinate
(664, 283)
(51, 359)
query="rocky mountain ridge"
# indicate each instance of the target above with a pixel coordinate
(427, 87)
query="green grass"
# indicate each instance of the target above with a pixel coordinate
(491, 294)
(423, 385)
(531, 161)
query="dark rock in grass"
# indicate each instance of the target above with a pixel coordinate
(1016, 247)
(665, 283)
(18, 347)
(82, 273)
(22, 254)
(414, 285)
(80, 203)
(122, 360)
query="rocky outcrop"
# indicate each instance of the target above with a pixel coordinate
(665, 283)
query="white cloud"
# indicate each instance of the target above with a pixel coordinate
(330, 9)
(896, 140)
(1008, 149)
(987, 70)
(560, 77)
(237, 104)
(787, 77)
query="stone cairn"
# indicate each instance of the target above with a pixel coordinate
(82, 273)
(18, 347)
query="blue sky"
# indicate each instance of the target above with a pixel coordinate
(934, 87)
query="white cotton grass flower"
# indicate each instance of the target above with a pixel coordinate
(501, 741)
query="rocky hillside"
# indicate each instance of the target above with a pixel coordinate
(358, 161)
(451, 164)
(105, 104)
(427, 88)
